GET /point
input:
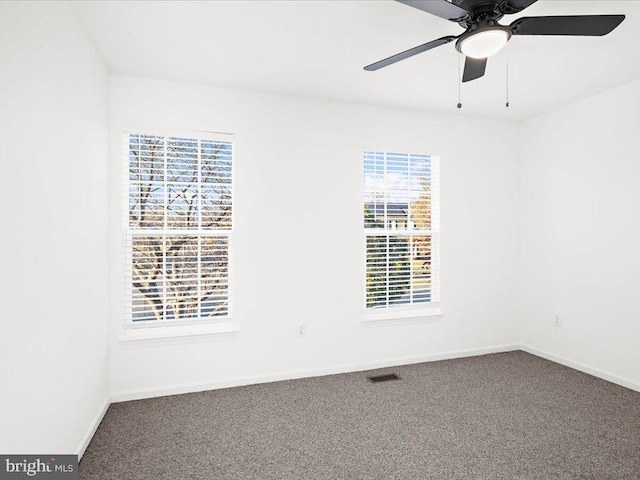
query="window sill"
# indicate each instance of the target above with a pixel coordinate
(401, 316)
(176, 334)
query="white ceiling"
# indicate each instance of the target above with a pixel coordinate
(318, 49)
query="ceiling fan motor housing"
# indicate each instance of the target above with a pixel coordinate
(480, 13)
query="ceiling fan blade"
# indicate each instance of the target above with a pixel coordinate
(409, 53)
(509, 7)
(473, 68)
(439, 8)
(582, 25)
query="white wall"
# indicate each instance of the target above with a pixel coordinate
(580, 200)
(53, 152)
(299, 239)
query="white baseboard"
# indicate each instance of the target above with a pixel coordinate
(84, 443)
(290, 375)
(596, 372)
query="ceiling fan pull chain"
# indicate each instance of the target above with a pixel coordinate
(507, 51)
(459, 82)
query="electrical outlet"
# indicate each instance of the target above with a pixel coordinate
(557, 321)
(300, 330)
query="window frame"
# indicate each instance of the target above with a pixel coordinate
(407, 313)
(152, 330)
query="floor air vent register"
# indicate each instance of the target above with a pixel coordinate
(383, 378)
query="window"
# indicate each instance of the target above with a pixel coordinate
(178, 228)
(401, 230)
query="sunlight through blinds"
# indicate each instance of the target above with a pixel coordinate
(401, 229)
(178, 232)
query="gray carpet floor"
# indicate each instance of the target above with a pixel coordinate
(504, 416)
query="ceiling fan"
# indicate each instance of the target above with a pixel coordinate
(484, 36)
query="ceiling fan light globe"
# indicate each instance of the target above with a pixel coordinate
(484, 43)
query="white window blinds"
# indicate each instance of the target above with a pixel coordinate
(178, 231)
(401, 229)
